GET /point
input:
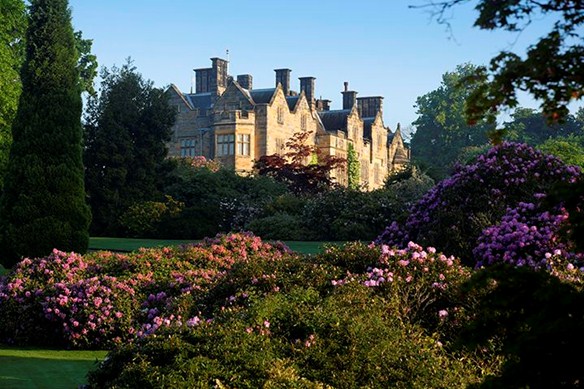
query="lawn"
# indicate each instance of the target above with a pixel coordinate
(36, 368)
(127, 244)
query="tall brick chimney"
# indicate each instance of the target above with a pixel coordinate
(349, 97)
(307, 85)
(369, 106)
(245, 81)
(283, 77)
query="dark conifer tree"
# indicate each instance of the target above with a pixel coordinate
(128, 124)
(43, 205)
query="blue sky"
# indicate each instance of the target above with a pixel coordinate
(381, 47)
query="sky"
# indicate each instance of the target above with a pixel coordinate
(381, 47)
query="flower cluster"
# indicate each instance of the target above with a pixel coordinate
(525, 236)
(453, 214)
(418, 281)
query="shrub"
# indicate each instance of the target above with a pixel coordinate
(526, 236)
(536, 318)
(102, 299)
(297, 339)
(454, 213)
(143, 220)
(280, 226)
(418, 284)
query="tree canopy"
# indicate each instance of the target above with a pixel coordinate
(291, 167)
(127, 127)
(43, 204)
(442, 131)
(552, 70)
(13, 22)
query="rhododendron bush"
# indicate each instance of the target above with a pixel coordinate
(468, 214)
(104, 298)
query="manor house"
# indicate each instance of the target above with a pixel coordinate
(227, 120)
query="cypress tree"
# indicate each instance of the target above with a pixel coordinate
(43, 205)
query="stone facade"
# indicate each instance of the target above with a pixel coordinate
(229, 121)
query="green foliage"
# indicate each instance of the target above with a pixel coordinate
(87, 63)
(569, 149)
(537, 319)
(551, 71)
(531, 127)
(43, 204)
(282, 226)
(215, 200)
(12, 31)
(127, 127)
(299, 339)
(143, 219)
(353, 168)
(442, 131)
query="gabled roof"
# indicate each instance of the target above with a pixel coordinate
(235, 90)
(200, 100)
(292, 101)
(183, 97)
(262, 96)
(367, 124)
(335, 120)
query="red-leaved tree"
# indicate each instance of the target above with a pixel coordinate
(293, 169)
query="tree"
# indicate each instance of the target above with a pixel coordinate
(569, 149)
(127, 127)
(43, 204)
(12, 31)
(291, 167)
(552, 70)
(531, 127)
(442, 131)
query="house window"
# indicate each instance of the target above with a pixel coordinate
(243, 144)
(178, 108)
(187, 147)
(303, 122)
(280, 115)
(225, 144)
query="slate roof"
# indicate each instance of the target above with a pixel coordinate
(367, 124)
(335, 120)
(292, 101)
(199, 100)
(262, 96)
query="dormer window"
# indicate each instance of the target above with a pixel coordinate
(280, 115)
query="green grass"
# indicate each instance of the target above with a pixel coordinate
(130, 244)
(127, 244)
(36, 368)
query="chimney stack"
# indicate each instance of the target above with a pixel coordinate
(245, 81)
(369, 106)
(349, 97)
(283, 77)
(307, 85)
